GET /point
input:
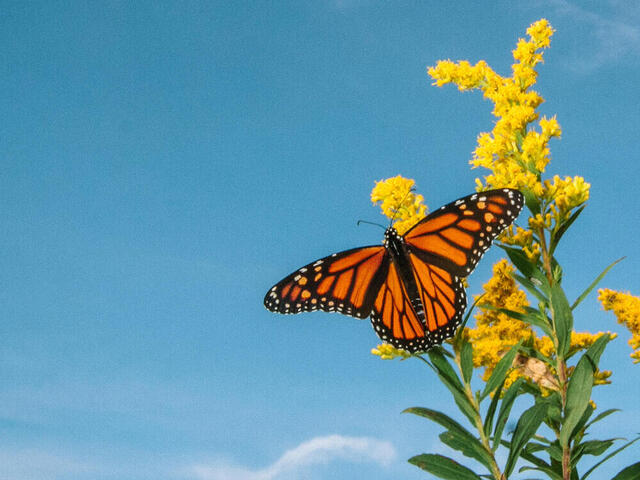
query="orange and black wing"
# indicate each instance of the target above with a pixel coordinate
(456, 236)
(345, 282)
(418, 324)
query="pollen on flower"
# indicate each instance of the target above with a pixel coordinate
(388, 352)
(398, 201)
(626, 308)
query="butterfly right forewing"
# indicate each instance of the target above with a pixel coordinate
(456, 236)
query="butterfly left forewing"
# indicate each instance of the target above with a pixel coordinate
(456, 236)
(344, 282)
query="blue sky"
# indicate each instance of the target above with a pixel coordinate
(164, 163)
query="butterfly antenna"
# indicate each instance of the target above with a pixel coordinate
(370, 223)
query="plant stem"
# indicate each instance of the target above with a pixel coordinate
(495, 469)
(561, 364)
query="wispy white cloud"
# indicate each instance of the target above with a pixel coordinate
(614, 36)
(319, 450)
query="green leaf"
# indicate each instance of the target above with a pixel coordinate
(578, 429)
(442, 419)
(471, 450)
(562, 318)
(632, 472)
(443, 467)
(488, 421)
(505, 408)
(553, 475)
(594, 283)
(609, 456)
(470, 310)
(466, 361)
(528, 269)
(526, 427)
(591, 447)
(531, 288)
(557, 235)
(531, 316)
(531, 200)
(579, 389)
(500, 371)
(461, 438)
(448, 376)
(445, 369)
(602, 415)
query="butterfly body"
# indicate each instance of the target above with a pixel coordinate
(410, 286)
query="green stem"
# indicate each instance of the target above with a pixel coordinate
(561, 364)
(495, 469)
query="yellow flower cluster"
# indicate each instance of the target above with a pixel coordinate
(524, 239)
(495, 333)
(626, 308)
(516, 153)
(389, 352)
(399, 202)
(567, 194)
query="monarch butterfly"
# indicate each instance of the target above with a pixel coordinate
(411, 285)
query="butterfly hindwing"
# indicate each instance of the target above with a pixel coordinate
(344, 282)
(418, 324)
(456, 236)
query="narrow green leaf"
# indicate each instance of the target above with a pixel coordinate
(470, 310)
(505, 408)
(579, 389)
(526, 427)
(609, 456)
(578, 432)
(473, 450)
(530, 287)
(557, 235)
(443, 467)
(528, 269)
(547, 470)
(602, 415)
(591, 447)
(466, 361)
(450, 379)
(562, 318)
(531, 200)
(500, 371)
(461, 438)
(445, 369)
(632, 472)
(594, 283)
(488, 421)
(441, 419)
(532, 316)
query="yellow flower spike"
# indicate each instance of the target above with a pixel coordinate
(550, 127)
(540, 33)
(626, 308)
(495, 332)
(399, 202)
(388, 352)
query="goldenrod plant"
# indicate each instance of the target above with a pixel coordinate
(524, 341)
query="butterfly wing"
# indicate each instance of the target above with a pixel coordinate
(418, 325)
(456, 236)
(346, 282)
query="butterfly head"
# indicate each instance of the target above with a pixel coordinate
(391, 236)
